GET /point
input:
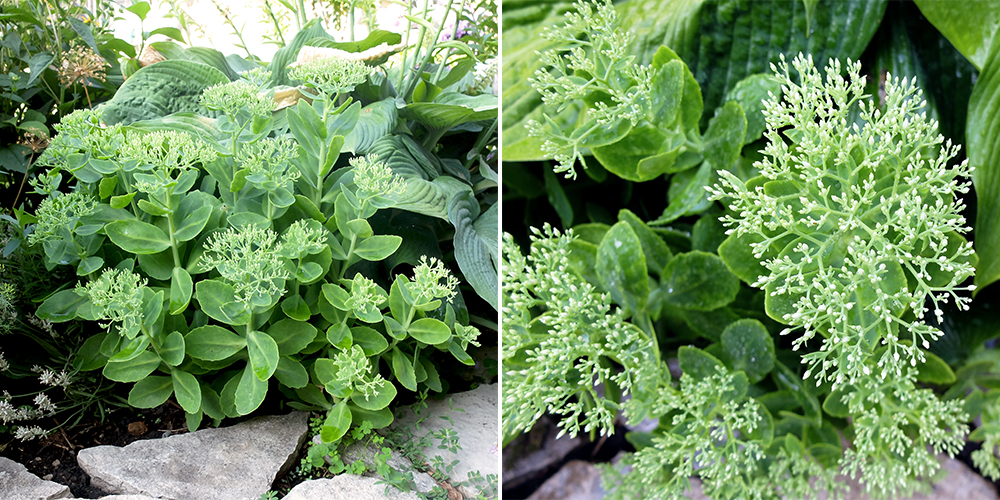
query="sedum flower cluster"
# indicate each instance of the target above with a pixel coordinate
(857, 223)
(580, 67)
(555, 361)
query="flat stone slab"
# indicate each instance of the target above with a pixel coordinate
(347, 487)
(16, 483)
(230, 463)
(121, 497)
(474, 420)
(579, 480)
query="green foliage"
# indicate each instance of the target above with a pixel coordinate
(244, 248)
(845, 224)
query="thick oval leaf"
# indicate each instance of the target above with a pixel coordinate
(379, 418)
(748, 346)
(654, 249)
(698, 281)
(429, 331)
(187, 390)
(371, 341)
(697, 363)
(172, 348)
(402, 367)
(132, 370)
(338, 420)
(263, 351)
(151, 392)
(192, 225)
(386, 393)
(213, 343)
(295, 307)
(161, 89)
(621, 267)
(213, 295)
(292, 336)
(378, 247)
(250, 392)
(181, 288)
(135, 236)
(291, 373)
(61, 306)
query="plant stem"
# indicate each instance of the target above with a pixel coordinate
(481, 141)
(454, 34)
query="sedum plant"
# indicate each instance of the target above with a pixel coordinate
(235, 258)
(852, 231)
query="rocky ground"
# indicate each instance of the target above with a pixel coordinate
(246, 460)
(536, 466)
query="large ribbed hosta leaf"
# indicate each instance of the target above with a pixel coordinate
(982, 132)
(423, 195)
(161, 89)
(377, 120)
(287, 54)
(724, 41)
(477, 245)
(452, 108)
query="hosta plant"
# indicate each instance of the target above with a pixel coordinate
(853, 233)
(228, 258)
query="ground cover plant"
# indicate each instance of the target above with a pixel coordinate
(230, 231)
(811, 269)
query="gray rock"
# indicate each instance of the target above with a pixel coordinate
(16, 483)
(231, 463)
(474, 420)
(960, 483)
(535, 453)
(346, 487)
(121, 497)
(361, 450)
(577, 479)
(580, 481)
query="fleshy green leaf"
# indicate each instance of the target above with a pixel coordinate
(698, 281)
(151, 392)
(187, 390)
(338, 421)
(250, 392)
(748, 346)
(621, 267)
(263, 352)
(134, 369)
(377, 402)
(402, 366)
(292, 336)
(213, 343)
(429, 331)
(138, 237)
